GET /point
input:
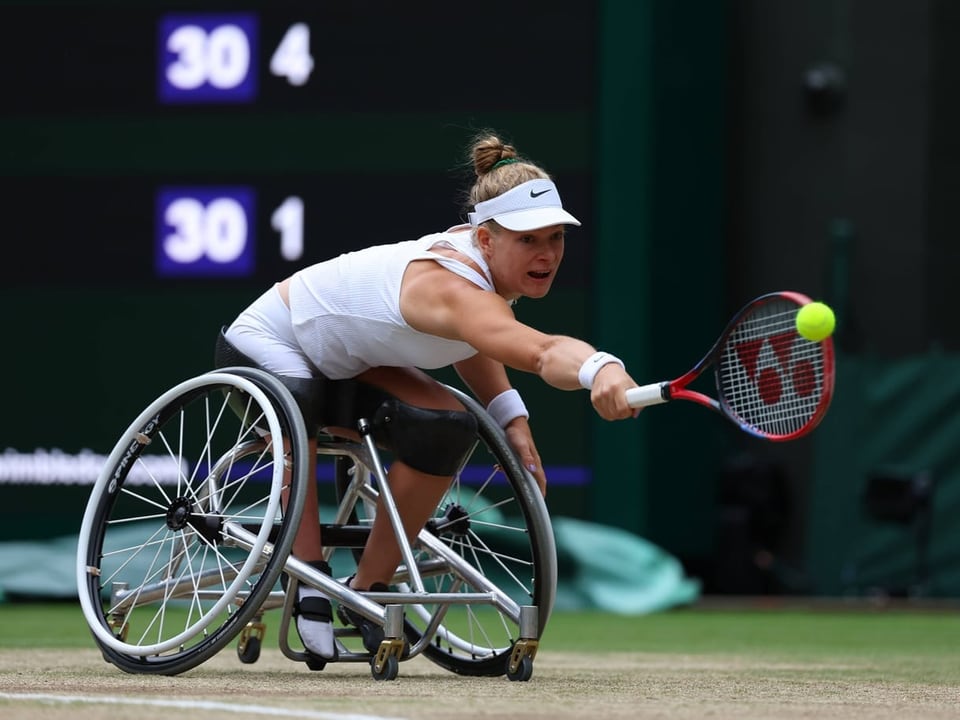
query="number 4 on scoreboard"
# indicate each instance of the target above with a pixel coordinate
(292, 58)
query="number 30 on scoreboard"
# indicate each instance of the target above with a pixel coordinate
(205, 232)
(214, 57)
(209, 231)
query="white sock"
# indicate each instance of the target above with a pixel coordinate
(315, 634)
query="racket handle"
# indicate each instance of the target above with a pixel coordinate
(644, 395)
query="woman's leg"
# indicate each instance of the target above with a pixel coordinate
(313, 610)
(308, 545)
(416, 493)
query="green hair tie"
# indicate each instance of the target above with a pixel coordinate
(505, 161)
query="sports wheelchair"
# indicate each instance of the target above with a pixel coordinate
(189, 526)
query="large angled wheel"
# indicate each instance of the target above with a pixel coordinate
(491, 534)
(191, 520)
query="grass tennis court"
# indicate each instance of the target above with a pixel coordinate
(687, 663)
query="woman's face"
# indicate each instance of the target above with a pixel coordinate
(522, 263)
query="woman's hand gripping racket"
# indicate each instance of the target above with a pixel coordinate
(771, 381)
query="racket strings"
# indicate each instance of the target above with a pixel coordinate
(768, 376)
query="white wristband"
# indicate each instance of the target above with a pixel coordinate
(592, 365)
(507, 406)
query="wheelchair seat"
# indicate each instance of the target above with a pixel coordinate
(323, 402)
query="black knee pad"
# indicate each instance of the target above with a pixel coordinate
(436, 442)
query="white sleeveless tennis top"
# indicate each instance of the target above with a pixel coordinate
(346, 311)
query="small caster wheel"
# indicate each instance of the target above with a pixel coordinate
(391, 667)
(249, 652)
(524, 670)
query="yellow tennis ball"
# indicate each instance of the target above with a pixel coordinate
(815, 321)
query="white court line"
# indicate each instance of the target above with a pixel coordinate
(193, 705)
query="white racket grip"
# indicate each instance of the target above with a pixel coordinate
(645, 395)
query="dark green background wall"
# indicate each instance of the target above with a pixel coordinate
(634, 138)
(375, 145)
(659, 267)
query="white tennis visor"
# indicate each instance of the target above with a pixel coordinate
(532, 205)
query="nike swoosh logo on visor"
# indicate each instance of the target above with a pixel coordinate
(538, 194)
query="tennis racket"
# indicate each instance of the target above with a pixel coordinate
(771, 381)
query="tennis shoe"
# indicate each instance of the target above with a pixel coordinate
(371, 633)
(315, 623)
(314, 615)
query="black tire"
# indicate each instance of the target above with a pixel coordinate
(188, 554)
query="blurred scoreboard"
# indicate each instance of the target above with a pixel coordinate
(162, 163)
(147, 142)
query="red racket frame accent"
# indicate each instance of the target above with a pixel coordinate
(677, 389)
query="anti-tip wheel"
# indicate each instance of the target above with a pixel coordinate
(249, 652)
(524, 670)
(389, 671)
